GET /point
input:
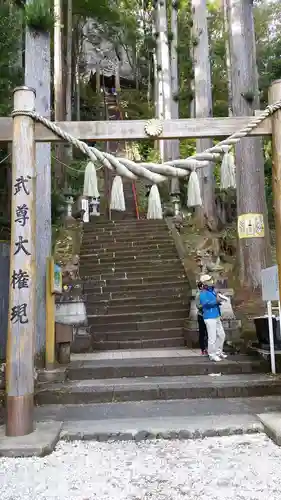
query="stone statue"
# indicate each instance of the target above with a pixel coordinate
(71, 271)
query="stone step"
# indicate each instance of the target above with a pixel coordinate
(158, 388)
(185, 412)
(169, 271)
(107, 308)
(161, 367)
(137, 317)
(137, 266)
(122, 345)
(140, 257)
(85, 344)
(127, 216)
(128, 254)
(158, 292)
(125, 237)
(131, 324)
(180, 297)
(136, 335)
(126, 230)
(122, 238)
(139, 281)
(125, 246)
(145, 287)
(125, 243)
(102, 224)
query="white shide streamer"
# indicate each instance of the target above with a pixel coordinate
(154, 210)
(117, 200)
(193, 191)
(90, 181)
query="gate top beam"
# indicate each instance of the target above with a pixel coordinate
(134, 129)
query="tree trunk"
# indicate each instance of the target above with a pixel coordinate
(59, 104)
(68, 90)
(77, 51)
(254, 252)
(203, 109)
(175, 186)
(158, 75)
(117, 77)
(166, 68)
(227, 55)
(38, 76)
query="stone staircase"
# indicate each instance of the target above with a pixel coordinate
(131, 357)
(152, 376)
(135, 287)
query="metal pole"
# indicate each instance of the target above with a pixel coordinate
(21, 320)
(271, 337)
(50, 316)
(274, 96)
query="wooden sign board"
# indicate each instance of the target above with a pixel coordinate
(55, 274)
(270, 284)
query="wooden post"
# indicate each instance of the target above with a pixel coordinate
(117, 77)
(59, 97)
(21, 330)
(38, 76)
(274, 96)
(98, 79)
(50, 316)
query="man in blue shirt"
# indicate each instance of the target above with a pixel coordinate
(210, 303)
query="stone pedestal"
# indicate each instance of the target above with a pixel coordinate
(231, 325)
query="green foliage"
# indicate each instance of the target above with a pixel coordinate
(75, 176)
(39, 16)
(134, 104)
(10, 71)
(57, 207)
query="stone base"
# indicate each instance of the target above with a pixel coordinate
(39, 443)
(55, 375)
(196, 427)
(191, 333)
(272, 426)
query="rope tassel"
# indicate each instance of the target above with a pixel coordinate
(228, 177)
(117, 200)
(154, 210)
(90, 181)
(193, 191)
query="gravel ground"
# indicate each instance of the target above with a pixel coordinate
(237, 467)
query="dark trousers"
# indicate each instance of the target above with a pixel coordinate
(203, 336)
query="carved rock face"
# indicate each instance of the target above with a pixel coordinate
(76, 260)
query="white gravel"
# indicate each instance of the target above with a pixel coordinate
(237, 467)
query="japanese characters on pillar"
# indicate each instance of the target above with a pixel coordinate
(20, 279)
(21, 326)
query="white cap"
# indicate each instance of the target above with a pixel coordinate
(205, 278)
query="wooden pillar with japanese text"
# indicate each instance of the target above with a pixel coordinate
(275, 96)
(21, 320)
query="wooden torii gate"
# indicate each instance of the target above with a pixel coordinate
(24, 133)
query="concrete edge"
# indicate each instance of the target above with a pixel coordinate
(47, 434)
(39, 443)
(69, 433)
(272, 426)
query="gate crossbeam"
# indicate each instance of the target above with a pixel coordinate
(134, 129)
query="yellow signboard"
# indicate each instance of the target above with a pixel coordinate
(250, 226)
